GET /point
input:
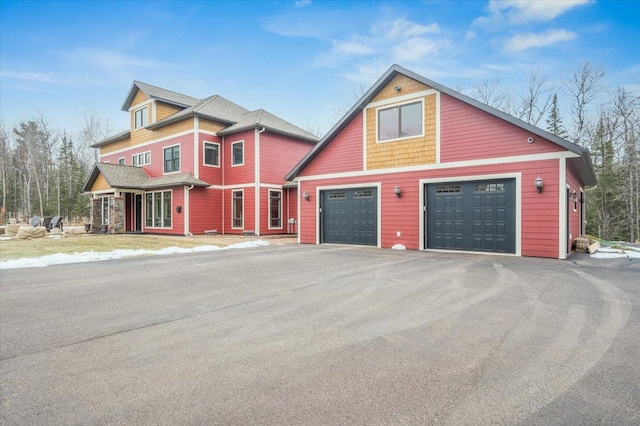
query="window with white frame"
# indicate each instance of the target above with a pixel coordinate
(172, 159)
(400, 121)
(141, 159)
(141, 117)
(211, 154)
(237, 205)
(237, 153)
(158, 209)
(121, 161)
(275, 209)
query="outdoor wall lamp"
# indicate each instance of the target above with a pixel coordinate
(178, 209)
(305, 195)
(396, 190)
(574, 196)
(539, 183)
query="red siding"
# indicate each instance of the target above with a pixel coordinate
(468, 133)
(235, 175)
(205, 210)
(539, 212)
(343, 154)
(210, 174)
(249, 211)
(177, 199)
(574, 216)
(291, 196)
(278, 155)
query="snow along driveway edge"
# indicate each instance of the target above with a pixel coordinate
(91, 256)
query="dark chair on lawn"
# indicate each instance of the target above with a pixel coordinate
(35, 221)
(56, 222)
(46, 221)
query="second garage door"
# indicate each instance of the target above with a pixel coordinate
(471, 216)
(349, 216)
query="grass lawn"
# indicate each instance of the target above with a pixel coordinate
(79, 243)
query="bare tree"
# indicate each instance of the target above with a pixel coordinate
(355, 97)
(488, 91)
(583, 87)
(92, 130)
(536, 102)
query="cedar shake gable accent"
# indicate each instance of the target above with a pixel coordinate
(131, 177)
(158, 93)
(582, 165)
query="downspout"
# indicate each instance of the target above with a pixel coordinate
(257, 177)
(196, 148)
(288, 224)
(222, 172)
(185, 210)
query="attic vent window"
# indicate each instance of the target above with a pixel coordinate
(141, 117)
(400, 121)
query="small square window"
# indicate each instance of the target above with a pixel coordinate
(121, 161)
(172, 159)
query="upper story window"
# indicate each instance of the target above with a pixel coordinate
(141, 117)
(400, 121)
(172, 159)
(211, 154)
(121, 161)
(141, 159)
(237, 153)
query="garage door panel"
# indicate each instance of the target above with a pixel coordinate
(357, 212)
(483, 218)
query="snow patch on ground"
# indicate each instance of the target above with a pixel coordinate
(60, 258)
(398, 247)
(611, 253)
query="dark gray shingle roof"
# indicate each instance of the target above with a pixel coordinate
(262, 118)
(159, 93)
(130, 177)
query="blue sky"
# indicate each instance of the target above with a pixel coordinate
(301, 60)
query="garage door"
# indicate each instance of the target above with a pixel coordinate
(471, 216)
(349, 216)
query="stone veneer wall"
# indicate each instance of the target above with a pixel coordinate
(116, 216)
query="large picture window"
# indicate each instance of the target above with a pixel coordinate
(400, 121)
(275, 209)
(237, 153)
(141, 117)
(172, 159)
(211, 154)
(238, 209)
(158, 209)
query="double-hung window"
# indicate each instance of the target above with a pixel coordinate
(211, 154)
(400, 121)
(172, 159)
(141, 117)
(275, 209)
(237, 153)
(237, 204)
(158, 209)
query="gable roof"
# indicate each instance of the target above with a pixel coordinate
(131, 177)
(158, 93)
(581, 165)
(262, 118)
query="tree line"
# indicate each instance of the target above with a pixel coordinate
(43, 169)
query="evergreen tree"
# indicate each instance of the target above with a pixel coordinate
(554, 121)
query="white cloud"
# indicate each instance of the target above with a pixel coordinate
(302, 3)
(35, 77)
(110, 59)
(401, 28)
(352, 48)
(417, 48)
(515, 12)
(521, 42)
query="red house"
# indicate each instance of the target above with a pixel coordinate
(417, 164)
(190, 166)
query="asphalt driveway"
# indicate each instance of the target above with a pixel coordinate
(321, 335)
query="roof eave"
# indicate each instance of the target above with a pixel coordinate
(116, 138)
(271, 129)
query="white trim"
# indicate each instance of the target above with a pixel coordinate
(235, 186)
(518, 225)
(233, 143)
(401, 98)
(256, 176)
(185, 210)
(134, 117)
(400, 105)
(196, 151)
(140, 105)
(377, 185)
(124, 161)
(270, 185)
(144, 202)
(164, 159)
(233, 206)
(455, 164)
(364, 139)
(269, 209)
(143, 154)
(562, 180)
(207, 132)
(437, 127)
(153, 111)
(582, 217)
(204, 143)
(137, 146)
(299, 196)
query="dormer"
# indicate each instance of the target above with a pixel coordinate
(149, 104)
